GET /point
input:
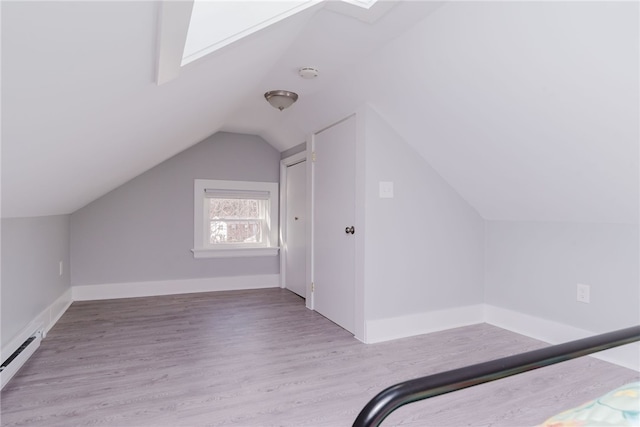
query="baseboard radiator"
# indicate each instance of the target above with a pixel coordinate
(19, 351)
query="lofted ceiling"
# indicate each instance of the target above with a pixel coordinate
(528, 109)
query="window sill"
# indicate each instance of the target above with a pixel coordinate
(235, 252)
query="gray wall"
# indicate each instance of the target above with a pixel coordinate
(143, 230)
(424, 247)
(533, 268)
(31, 251)
(293, 150)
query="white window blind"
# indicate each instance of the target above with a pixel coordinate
(235, 194)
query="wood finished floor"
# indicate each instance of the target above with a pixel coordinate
(260, 358)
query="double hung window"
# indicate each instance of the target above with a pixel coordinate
(235, 218)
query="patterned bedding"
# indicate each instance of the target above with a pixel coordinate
(620, 407)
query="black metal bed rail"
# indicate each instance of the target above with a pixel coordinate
(390, 399)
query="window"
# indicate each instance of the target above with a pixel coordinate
(191, 29)
(235, 218)
(215, 24)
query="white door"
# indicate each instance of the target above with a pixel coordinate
(334, 182)
(296, 233)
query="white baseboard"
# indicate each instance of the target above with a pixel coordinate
(552, 332)
(422, 323)
(57, 309)
(50, 315)
(42, 323)
(172, 287)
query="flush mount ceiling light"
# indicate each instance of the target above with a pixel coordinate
(281, 99)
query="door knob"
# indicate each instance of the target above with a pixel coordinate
(350, 230)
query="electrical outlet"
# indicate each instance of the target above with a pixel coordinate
(584, 293)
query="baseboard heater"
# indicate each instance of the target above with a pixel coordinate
(19, 350)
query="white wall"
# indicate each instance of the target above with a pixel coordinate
(528, 109)
(31, 251)
(143, 230)
(533, 268)
(424, 247)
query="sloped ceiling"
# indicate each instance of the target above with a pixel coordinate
(528, 109)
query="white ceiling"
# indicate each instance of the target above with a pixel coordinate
(528, 109)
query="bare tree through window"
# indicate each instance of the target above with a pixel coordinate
(235, 220)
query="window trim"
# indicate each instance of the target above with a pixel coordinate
(201, 248)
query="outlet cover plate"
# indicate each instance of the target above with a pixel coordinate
(583, 293)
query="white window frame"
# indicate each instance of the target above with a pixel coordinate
(201, 246)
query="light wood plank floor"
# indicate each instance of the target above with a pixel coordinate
(260, 358)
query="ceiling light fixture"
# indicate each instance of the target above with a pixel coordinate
(281, 99)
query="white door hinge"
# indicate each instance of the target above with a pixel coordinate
(313, 287)
(313, 156)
